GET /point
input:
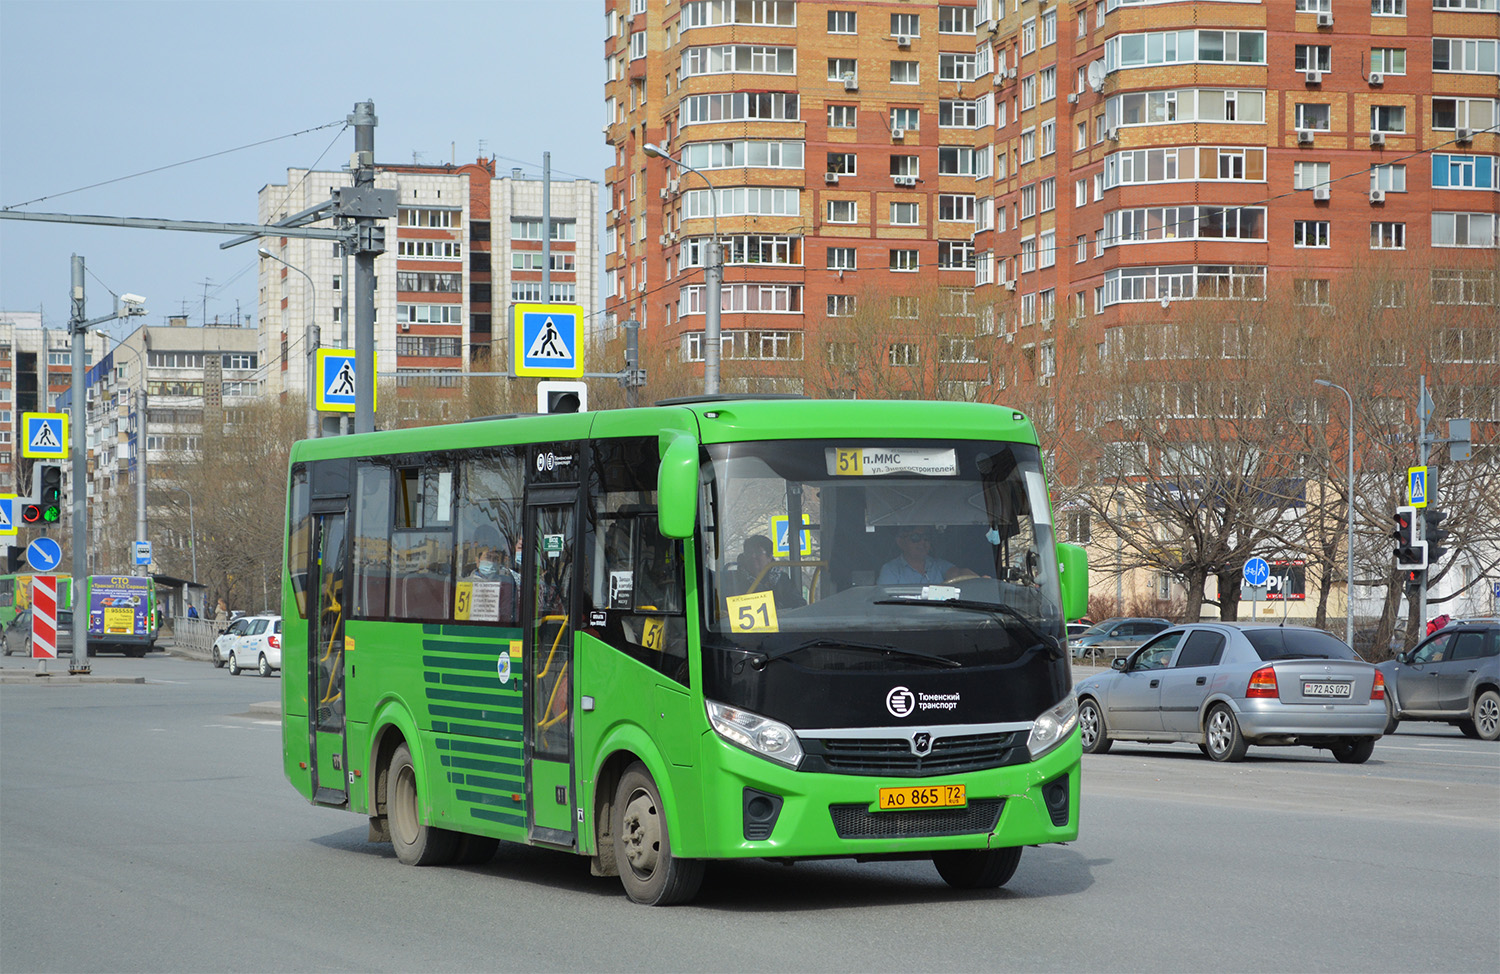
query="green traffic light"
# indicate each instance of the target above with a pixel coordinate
(51, 514)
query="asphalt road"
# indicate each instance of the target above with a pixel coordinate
(147, 827)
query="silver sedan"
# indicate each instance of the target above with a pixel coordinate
(1225, 686)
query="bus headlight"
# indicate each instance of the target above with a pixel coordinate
(768, 738)
(1053, 726)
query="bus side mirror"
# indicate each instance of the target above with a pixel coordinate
(1073, 573)
(677, 486)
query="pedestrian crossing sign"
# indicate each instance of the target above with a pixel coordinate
(334, 378)
(44, 435)
(548, 340)
(8, 514)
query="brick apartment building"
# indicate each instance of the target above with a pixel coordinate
(464, 246)
(1067, 161)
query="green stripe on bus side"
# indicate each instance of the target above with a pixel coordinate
(519, 821)
(486, 681)
(506, 771)
(476, 730)
(490, 801)
(503, 701)
(442, 663)
(497, 717)
(502, 751)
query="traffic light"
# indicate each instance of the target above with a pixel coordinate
(49, 491)
(561, 397)
(1410, 552)
(1433, 534)
(1414, 578)
(15, 560)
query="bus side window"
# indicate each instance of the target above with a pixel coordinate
(372, 543)
(299, 537)
(490, 502)
(422, 544)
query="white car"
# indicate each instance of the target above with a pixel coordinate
(250, 642)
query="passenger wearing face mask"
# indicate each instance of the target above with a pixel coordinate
(489, 569)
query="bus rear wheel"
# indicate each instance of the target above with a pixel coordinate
(416, 844)
(649, 871)
(978, 868)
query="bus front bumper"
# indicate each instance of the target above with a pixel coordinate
(757, 808)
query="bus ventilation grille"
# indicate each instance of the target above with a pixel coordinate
(858, 822)
(893, 755)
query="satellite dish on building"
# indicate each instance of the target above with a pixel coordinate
(1096, 75)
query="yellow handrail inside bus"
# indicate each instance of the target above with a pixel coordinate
(555, 642)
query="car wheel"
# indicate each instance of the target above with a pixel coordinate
(649, 871)
(1487, 716)
(1390, 714)
(416, 844)
(234, 665)
(1091, 728)
(218, 660)
(1222, 735)
(1356, 750)
(978, 868)
(264, 666)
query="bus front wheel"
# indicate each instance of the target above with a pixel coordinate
(649, 872)
(977, 868)
(416, 844)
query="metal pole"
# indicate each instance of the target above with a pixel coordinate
(364, 122)
(80, 529)
(313, 339)
(1119, 560)
(192, 531)
(140, 463)
(1349, 540)
(713, 277)
(1417, 522)
(632, 362)
(547, 227)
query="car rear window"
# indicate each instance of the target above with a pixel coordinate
(1298, 643)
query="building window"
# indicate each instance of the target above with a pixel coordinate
(841, 258)
(1387, 236)
(904, 214)
(1464, 172)
(955, 20)
(955, 255)
(1306, 175)
(1313, 57)
(1315, 117)
(904, 260)
(954, 114)
(1470, 113)
(1388, 118)
(841, 305)
(956, 207)
(1463, 229)
(1463, 55)
(1310, 233)
(955, 161)
(1310, 292)
(1389, 177)
(956, 67)
(842, 67)
(841, 116)
(842, 163)
(905, 72)
(842, 22)
(1462, 286)
(1388, 8)
(904, 354)
(843, 211)
(906, 25)
(1388, 60)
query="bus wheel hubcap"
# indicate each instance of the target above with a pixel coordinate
(642, 834)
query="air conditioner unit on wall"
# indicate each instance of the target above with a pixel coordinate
(672, 185)
(830, 177)
(665, 194)
(1305, 135)
(1320, 192)
(1314, 77)
(1112, 134)
(903, 41)
(898, 134)
(850, 82)
(1010, 285)
(1325, 19)
(905, 180)
(1463, 135)
(1376, 78)
(1377, 138)
(1072, 98)
(1377, 196)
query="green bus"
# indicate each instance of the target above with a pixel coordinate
(663, 636)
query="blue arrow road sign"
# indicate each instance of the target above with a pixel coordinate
(1257, 572)
(43, 554)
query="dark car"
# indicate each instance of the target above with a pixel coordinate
(1226, 686)
(18, 633)
(1452, 676)
(1116, 637)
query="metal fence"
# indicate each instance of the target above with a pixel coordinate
(196, 634)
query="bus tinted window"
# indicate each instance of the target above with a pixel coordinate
(299, 537)
(372, 542)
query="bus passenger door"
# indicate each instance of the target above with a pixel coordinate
(326, 661)
(548, 627)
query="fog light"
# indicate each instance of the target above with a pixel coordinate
(1055, 794)
(760, 812)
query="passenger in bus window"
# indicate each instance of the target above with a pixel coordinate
(759, 573)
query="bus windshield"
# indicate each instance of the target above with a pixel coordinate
(910, 556)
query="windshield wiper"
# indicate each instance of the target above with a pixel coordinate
(759, 662)
(1050, 642)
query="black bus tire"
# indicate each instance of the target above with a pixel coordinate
(978, 868)
(416, 844)
(649, 871)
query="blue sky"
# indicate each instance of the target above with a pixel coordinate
(91, 92)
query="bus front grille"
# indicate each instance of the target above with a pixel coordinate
(893, 755)
(858, 822)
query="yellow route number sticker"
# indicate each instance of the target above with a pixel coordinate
(654, 633)
(754, 612)
(849, 463)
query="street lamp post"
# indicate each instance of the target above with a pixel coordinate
(310, 337)
(192, 531)
(140, 449)
(1349, 540)
(713, 277)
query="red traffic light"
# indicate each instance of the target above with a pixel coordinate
(32, 513)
